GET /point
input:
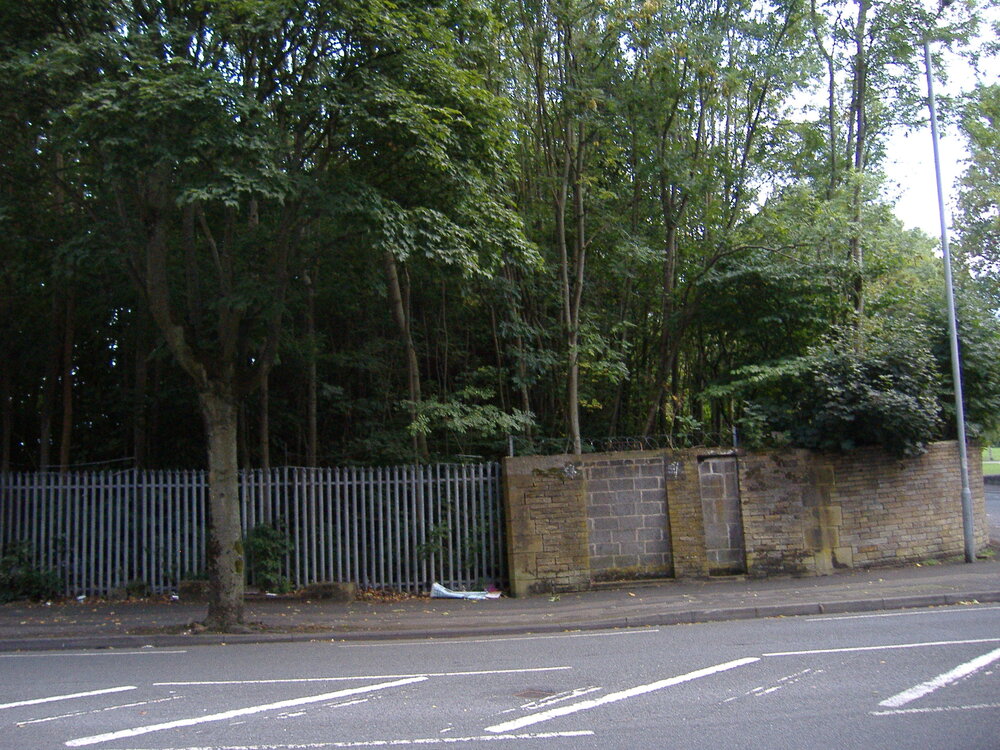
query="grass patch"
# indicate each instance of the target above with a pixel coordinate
(991, 461)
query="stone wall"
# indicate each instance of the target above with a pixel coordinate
(546, 518)
(806, 513)
(573, 520)
(628, 531)
(720, 507)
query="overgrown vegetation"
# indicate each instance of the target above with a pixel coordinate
(267, 547)
(840, 396)
(22, 578)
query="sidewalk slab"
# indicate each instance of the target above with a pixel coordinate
(149, 623)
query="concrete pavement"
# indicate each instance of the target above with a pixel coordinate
(146, 623)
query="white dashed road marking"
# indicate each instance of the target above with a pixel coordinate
(396, 743)
(920, 613)
(74, 714)
(936, 709)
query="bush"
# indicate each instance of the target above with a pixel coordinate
(266, 547)
(885, 398)
(21, 579)
(837, 397)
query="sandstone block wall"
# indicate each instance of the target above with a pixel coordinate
(546, 518)
(806, 513)
(572, 520)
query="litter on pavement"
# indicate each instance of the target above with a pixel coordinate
(440, 592)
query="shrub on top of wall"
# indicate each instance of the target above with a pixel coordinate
(841, 396)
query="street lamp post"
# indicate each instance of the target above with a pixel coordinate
(968, 523)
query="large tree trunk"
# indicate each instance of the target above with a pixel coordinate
(225, 545)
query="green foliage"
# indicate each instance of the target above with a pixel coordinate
(21, 578)
(266, 548)
(979, 349)
(978, 218)
(435, 543)
(837, 397)
(467, 418)
(275, 152)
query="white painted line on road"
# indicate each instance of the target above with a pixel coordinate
(504, 639)
(552, 713)
(96, 711)
(951, 611)
(934, 709)
(70, 696)
(475, 673)
(61, 654)
(889, 647)
(223, 716)
(395, 743)
(345, 704)
(953, 675)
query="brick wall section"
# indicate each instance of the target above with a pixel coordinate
(803, 513)
(546, 518)
(806, 513)
(627, 522)
(687, 522)
(720, 506)
(779, 493)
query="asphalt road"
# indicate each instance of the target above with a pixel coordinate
(908, 679)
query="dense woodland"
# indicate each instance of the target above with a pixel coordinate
(374, 232)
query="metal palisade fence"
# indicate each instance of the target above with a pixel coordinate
(400, 527)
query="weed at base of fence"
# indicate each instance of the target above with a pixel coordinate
(266, 548)
(20, 578)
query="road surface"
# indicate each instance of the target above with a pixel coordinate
(905, 679)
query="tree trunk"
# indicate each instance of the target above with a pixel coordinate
(225, 544)
(859, 142)
(265, 423)
(7, 407)
(140, 420)
(69, 332)
(669, 337)
(399, 314)
(312, 400)
(49, 392)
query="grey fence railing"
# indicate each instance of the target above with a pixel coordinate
(396, 527)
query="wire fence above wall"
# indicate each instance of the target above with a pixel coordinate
(399, 527)
(520, 445)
